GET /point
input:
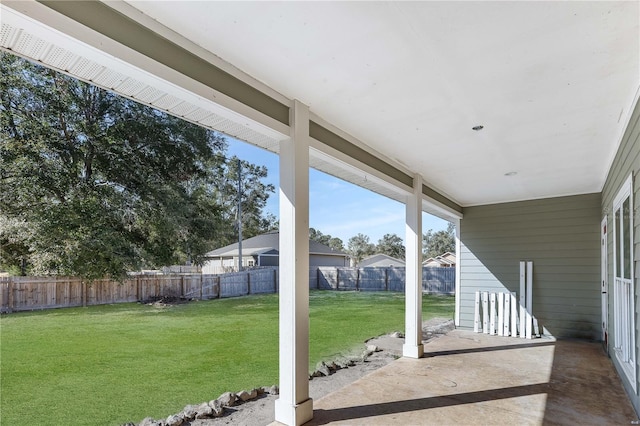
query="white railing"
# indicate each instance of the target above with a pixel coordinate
(623, 308)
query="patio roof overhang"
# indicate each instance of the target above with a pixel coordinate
(381, 94)
(394, 88)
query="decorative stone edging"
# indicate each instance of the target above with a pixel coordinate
(209, 410)
(216, 407)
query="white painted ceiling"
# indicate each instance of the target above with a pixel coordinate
(551, 82)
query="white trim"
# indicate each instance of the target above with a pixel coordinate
(624, 291)
(623, 130)
(293, 406)
(64, 32)
(413, 347)
(604, 278)
(458, 261)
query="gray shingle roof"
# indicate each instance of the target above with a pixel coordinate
(268, 243)
(381, 260)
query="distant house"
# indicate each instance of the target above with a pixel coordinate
(382, 261)
(446, 260)
(264, 250)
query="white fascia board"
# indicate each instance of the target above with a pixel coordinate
(130, 11)
(67, 33)
(440, 210)
(326, 153)
(328, 254)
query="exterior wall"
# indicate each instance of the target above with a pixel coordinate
(269, 261)
(561, 237)
(626, 162)
(326, 260)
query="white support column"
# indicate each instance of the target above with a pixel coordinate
(413, 347)
(458, 262)
(294, 407)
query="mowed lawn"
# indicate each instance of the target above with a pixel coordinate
(106, 365)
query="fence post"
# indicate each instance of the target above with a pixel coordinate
(275, 279)
(83, 286)
(181, 286)
(11, 299)
(318, 278)
(337, 278)
(219, 284)
(386, 279)
(201, 284)
(358, 279)
(248, 282)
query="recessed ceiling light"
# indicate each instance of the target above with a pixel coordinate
(478, 127)
(511, 173)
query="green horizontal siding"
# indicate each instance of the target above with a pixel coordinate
(626, 162)
(561, 237)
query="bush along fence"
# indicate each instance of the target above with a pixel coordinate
(33, 293)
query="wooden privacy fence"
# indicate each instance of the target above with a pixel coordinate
(31, 293)
(434, 280)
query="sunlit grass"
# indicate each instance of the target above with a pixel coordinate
(106, 365)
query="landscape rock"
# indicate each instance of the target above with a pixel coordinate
(247, 395)
(366, 354)
(204, 411)
(216, 408)
(189, 412)
(322, 369)
(343, 362)
(148, 421)
(397, 335)
(175, 420)
(373, 348)
(228, 399)
(274, 390)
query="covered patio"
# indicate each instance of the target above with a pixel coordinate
(516, 121)
(467, 377)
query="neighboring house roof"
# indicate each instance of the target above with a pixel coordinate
(381, 260)
(269, 244)
(447, 258)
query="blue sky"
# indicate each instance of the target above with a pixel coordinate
(336, 207)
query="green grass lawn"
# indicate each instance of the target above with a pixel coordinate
(106, 365)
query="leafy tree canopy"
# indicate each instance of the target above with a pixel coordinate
(326, 239)
(93, 184)
(440, 242)
(359, 247)
(391, 245)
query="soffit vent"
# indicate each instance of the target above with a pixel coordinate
(20, 41)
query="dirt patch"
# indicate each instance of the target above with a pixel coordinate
(166, 301)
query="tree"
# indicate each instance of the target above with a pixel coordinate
(391, 245)
(359, 247)
(254, 195)
(94, 185)
(440, 242)
(334, 242)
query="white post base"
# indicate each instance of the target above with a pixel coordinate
(411, 351)
(294, 415)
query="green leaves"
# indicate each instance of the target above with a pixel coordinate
(437, 243)
(95, 185)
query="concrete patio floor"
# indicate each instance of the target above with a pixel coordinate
(468, 378)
